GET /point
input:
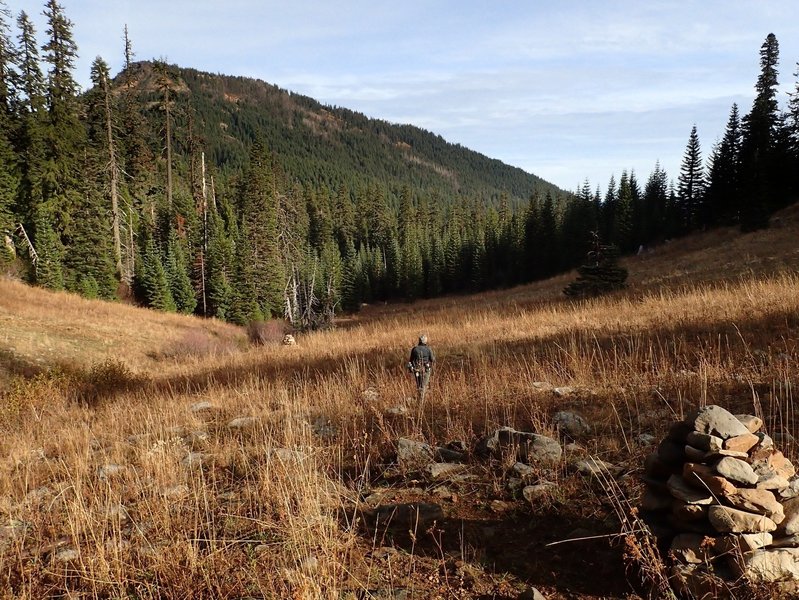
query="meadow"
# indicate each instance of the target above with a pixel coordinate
(146, 455)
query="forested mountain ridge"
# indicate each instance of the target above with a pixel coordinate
(325, 145)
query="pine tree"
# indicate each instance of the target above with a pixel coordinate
(722, 197)
(177, 274)
(9, 167)
(691, 182)
(151, 280)
(599, 274)
(757, 146)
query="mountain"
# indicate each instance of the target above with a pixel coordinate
(324, 145)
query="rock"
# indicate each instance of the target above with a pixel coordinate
(413, 455)
(241, 423)
(175, 491)
(654, 467)
(441, 471)
(769, 480)
(529, 447)
(652, 501)
(564, 391)
(515, 485)
(744, 542)
(704, 441)
(500, 506)
(195, 459)
(704, 478)
(201, 407)
(593, 467)
(789, 541)
(117, 512)
(106, 472)
(523, 471)
(678, 432)
(443, 454)
(791, 490)
(682, 491)
(770, 565)
(397, 411)
(415, 516)
(66, 555)
(691, 548)
(688, 512)
(741, 443)
(781, 465)
(536, 492)
(761, 502)
(324, 428)
(694, 454)
(531, 594)
(790, 524)
(730, 520)
(736, 470)
(288, 340)
(542, 385)
(717, 421)
(751, 422)
(286, 455)
(645, 439)
(571, 424)
(197, 437)
(443, 492)
(693, 581)
(671, 453)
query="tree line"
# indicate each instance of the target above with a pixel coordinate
(134, 190)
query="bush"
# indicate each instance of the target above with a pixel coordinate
(104, 380)
(262, 333)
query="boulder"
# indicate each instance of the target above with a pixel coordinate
(241, 423)
(751, 422)
(682, 491)
(535, 492)
(761, 502)
(529, 447)
(717, 421)
(770, 565)
(741, 443)
(704, 478)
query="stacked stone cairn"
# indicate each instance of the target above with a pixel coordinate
(723, 503)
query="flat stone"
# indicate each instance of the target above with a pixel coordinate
(199, 407)
(791, 490)
(705, 478)
(529, 447)
(736, 470)
(769, 480)
(682, 491)
(442, 454)
(761, 502)
(563, 391)
(593, 467)
(771, 565)
(717, 421)
(741, 443)
(781, 465)
(442, 471)
(694, 454)
(751, 422)
(542, 385)
(704, 441)
(531, 493)
(730, 520)
(241, 422)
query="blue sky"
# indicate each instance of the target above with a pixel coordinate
(567, 90)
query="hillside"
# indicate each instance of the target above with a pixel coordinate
(326, 145)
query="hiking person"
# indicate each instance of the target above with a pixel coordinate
(421, 364)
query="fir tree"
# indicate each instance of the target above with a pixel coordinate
(177, 274)
(599, 274)
(722, 197)
(691, 183)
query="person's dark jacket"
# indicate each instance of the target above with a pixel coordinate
(423, 353)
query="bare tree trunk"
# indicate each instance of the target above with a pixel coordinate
(205, 235)
(112, 165)
(168, 149)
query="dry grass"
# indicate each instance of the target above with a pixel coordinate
(197, 508)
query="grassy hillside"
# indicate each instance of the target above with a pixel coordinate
(261, 472)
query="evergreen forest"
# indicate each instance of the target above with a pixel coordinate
(231, 198)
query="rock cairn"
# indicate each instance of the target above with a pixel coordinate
(723, 502)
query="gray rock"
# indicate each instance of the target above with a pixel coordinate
(413, 455)
(106, 472)
(791, 490)
(542, 385)
(645, 439)
(571, 424)
(200, 407)
(523, 471)
(443, 454)
(790, 525)
(241, 423)
(704, 441)
(66, 555)
(736, 470)
(397, 411)
(442, 471)
(730, 520)
(717, 421)
(682, 491)
(538, 491)
(593, 467)
(562, 392)
(324, 428)
(771, 565)
(195, 459)
(529, 447)
(286, 455)
(751, 422)
(761, 502)
(176, 491)
(514, 485)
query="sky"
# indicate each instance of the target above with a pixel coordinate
(569, 90)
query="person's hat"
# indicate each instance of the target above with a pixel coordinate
(423, 339)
